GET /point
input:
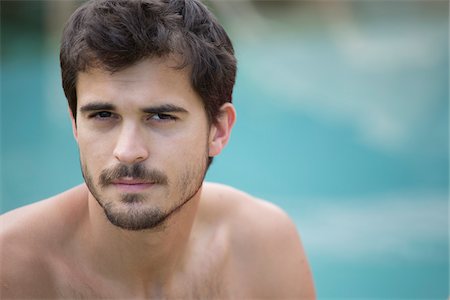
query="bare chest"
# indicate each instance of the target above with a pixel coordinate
(206, 276)
(204, 284)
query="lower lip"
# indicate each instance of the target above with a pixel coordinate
(133, 188)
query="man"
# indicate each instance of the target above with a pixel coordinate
(149, 87)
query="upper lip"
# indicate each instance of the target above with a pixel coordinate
(131, 181)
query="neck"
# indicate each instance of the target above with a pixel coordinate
(145, 256)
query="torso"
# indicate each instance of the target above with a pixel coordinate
(216, 268)
(59, 274)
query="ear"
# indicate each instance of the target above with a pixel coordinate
(74, 125)
(220, 131)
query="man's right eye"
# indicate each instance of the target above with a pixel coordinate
(101, 115)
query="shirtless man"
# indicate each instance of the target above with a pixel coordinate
(149, 87)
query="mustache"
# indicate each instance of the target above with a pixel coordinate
(135, 171)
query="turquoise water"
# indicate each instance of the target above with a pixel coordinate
(342, 122)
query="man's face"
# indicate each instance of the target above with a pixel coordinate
(143, 139)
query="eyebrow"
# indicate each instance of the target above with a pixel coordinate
(96, 106)
(164, 108)
(158, 109)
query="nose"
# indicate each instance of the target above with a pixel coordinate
(130, 147)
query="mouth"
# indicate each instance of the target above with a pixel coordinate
(132, 184)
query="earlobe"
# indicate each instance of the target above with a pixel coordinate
(221, 130)
(74, 125)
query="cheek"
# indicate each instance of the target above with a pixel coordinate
(194, 143)
(93, 151)
(181, 149)
(184, 150)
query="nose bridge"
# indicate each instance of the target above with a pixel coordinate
(130, 146)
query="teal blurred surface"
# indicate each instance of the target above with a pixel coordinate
(342, 121)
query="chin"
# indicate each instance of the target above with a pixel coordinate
(135, 216)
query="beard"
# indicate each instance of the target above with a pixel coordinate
(133, 211)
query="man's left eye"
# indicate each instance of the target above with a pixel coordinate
(162, 117)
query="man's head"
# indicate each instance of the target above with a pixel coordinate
(148, 84)
(115, 34)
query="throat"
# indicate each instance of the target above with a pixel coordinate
(153, 255)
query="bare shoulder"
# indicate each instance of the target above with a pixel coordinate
(268, 255)
(39, 220)
(29, 238)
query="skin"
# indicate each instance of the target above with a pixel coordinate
(219, 244)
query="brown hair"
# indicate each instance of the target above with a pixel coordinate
(114, 34)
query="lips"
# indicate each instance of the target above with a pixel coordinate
(131, 184)
(130, 181)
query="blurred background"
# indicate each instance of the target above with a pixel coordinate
(342, 121)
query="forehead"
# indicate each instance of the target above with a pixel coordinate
(148, 81)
